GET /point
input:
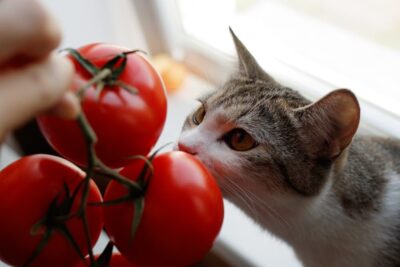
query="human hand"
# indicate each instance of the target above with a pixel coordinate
(32, 78)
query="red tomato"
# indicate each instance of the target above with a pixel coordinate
(126, 124)
(117, 260)
(27, 188)
(183, 213)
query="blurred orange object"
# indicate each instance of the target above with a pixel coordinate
(172, 72)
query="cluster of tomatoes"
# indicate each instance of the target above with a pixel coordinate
(164, 210)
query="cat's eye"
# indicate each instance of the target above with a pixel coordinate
(238, 139)
(198, 116)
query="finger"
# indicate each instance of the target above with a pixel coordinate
(34, 89)
(68, 107)
(26, 30)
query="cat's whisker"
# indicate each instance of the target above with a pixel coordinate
(239, 193)
(264, 205)
(252, 199)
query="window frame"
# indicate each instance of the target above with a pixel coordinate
(164, 33)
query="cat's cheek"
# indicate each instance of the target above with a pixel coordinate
(218, 172)
(211, 165)
(220, 168)
(207, 162)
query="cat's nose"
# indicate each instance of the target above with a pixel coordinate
(186, 148)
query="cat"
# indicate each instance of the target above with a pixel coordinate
(298, 169)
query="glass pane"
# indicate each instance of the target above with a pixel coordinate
(353, 44)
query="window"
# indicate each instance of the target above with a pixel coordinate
(349, 43)
(313, 46)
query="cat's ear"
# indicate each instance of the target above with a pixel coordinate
(248, 66)
(328, 125)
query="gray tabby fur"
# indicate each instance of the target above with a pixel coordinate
(333, 197)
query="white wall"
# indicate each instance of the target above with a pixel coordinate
(88, 21)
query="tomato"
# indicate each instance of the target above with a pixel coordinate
(117, 260)
(27, 189)
(182, 216)
(126, 124)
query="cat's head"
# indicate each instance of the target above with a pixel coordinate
(256, 134)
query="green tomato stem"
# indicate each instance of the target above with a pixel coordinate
(94, 164)
(91, 139)
(104, 73)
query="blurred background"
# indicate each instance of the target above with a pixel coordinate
(313, 46)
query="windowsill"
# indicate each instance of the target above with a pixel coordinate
(241, 242)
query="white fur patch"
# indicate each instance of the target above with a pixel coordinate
(325, 236)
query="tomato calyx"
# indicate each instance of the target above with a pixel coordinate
(137, 199)
(107, 75)
(58, 213)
